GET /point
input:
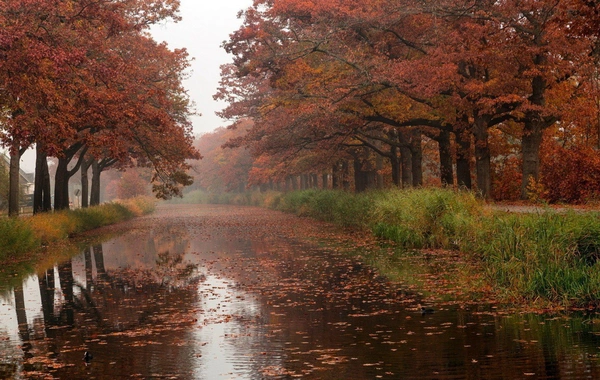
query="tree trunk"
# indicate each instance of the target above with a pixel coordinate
(344, 175)
(61, 185)
(363, 179)
(42, 197)
(85, 183)
(379, 183)
(406, 164)
(47, 203)
(360, 181)
(482, 156)
(303, 182)
(463, 159)
(63, 174)
(445, 150)
(335, 176)
(95, 189)
(14, 186)
(395, 164)
(325, 181)
(530, 148)
(405, 159)
(416, 150)
(394, 159)
(532, 133)
(38, 187)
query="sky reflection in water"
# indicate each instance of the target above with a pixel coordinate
(204, 301)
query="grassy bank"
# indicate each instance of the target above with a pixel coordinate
(543, 257)
(19, 236)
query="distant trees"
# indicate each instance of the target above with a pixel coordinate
(383, 89)
(84, 82)
(222, 169)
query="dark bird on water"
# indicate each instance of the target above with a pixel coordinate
(425, 310)
(87, 356)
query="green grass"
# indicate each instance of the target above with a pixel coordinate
(15, 236)
(19, 236)
(547, 256)
(95, 217)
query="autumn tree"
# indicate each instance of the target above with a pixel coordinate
(346, 74)
(222, 168)
(145, 87)
(64, 87)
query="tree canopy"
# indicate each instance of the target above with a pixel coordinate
(488, 82)
(85, 79)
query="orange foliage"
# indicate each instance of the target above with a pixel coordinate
(133, 184)
(506, 182)
(571, 174)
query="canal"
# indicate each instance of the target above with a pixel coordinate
(223, 292)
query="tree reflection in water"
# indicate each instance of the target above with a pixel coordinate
(126, 309)
(263, 306)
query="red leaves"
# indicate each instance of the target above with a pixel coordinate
(85, 73)
(319, 76)
(572, 174)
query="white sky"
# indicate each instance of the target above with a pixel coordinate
(204, 27)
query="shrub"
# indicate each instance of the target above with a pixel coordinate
(51, 227)
(570, 175)
(15, 237)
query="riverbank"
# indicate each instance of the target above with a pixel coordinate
(21, 238)
(545, 259)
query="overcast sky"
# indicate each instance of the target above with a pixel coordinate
(205, 25)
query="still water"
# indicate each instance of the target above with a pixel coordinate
(216, 292)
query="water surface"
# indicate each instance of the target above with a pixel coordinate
(207, 292)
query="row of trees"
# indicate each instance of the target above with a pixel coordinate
(83, 81)
(495, 85)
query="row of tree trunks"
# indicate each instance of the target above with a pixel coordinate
(404, 150)
(42, 197)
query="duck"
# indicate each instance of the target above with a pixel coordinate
(87, 356)
(425, 310)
